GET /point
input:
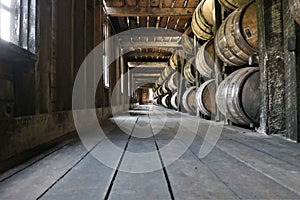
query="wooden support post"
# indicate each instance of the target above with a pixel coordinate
(89, 46)
(271, 64)
(218, 62)
(64, 54)
(197, 74)
(181, 87)
(98, 38)
(44, 30)
(292, 73)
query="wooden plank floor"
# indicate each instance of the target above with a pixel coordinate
(242, 165)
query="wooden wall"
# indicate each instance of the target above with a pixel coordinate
(41, 85)
(279, 44)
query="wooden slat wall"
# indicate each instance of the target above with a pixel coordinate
(271, 58)
(292, 73)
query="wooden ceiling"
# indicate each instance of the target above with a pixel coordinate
(167, 14)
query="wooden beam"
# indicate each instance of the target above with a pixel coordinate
(142, 75)
(143, 32)
(148, 70)
(147, 64)
(149, 44)
(152, 12)
(149, 54)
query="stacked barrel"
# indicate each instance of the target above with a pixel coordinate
(232, 44)
(237, 97)
(166, 86)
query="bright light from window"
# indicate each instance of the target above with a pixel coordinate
(6, 3)
(5, 25)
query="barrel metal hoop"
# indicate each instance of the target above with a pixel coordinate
(185, 97)
(200, 64)
(248, 72)
(224, 38)
(241, 38)
(235, 32)
(239, 79)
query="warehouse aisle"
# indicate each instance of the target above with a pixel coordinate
(243, 164)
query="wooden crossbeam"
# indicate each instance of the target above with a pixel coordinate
(150, 44)
(149, 55)
(144, 12)
(148, 64)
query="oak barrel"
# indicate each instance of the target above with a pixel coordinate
(166, 73)
(205, 98)
(189, 70)
(236, 39)
(233, 4)
(174, 100)
(173, 81)
(205, 59)
(238, 96)
(173, 62)
(295, 9)
(155, 101)
(187, 41)
(189, 100)
(166, 100)
(203, 20)
(159, 91)
(165, 87)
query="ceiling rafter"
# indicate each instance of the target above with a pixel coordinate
(151, 12)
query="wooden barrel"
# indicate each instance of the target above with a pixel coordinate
(295, 9)
(159, 81)
(155, 94)
(189, 100)
(166, 73)
(233, 4)
(155, 101)
(203, 20)
(189, 70)
(238, 96)
(205, 59)
(205, 98)
(187, 41)
(236, 39)
(174, 100)
(166, 100)
(173, 81)
(165, 87)
(159, 91)
(173, 62)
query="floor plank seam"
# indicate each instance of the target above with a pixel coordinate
(261, 172)
(211, 170)
(162, 163)
(254, 168)
(34, 162)
(119, 164)
(261, 151)
(60, 178)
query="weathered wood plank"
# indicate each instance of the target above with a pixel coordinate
(150, 44)
(271, 63)
(245, 182)
(34, 181)
(292, 73)
(143, 12)
(191, 179)
(150, 185)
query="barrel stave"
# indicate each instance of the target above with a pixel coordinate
(236, 39)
